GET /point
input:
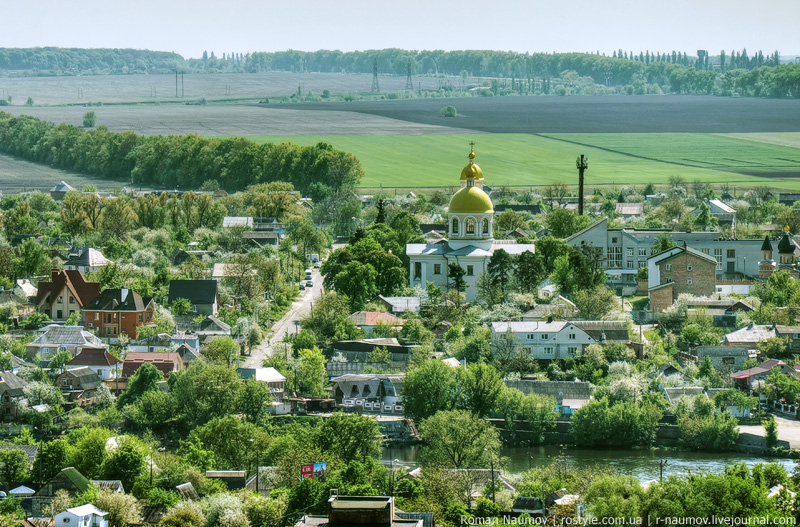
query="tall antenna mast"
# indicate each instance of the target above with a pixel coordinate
(375, 87)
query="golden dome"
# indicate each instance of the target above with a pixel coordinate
(472, 170)
(471, 200)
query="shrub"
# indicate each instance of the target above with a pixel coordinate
(89, 120)
(448, 111)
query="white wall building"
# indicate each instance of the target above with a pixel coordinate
(543, 340)
(84, 516)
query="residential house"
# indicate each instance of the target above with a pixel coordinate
(187, 353)
(750, 335)
(725, 214)
(569, 395)
(60, 190)
(201, 293)
(269, 376)
(99, 360)
(397, 305)
(358, 350)
(630, 210)
(788, 198)
(674, 394)
(84, 516)
(725, 358)
(746, 379)
(165, 362)
(89, 261)
(605, 331)
(676, 271)
(79, 385)
(233, 479)
(11, 391)
(560, 308)
(65, 293)
(367, 511)
(165, 342)
(543, 340)
(369, 320)
(532, 209)
(119, 311)
(22, 295)
(370, 392)
(68, 479)
(55, 338)
(722, 310)
(625, 250)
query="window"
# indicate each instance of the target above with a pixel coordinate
(470, 270)
(485, 226)
(194, 310)
(614, 239)
(731, 253)
(688, 267)
(454, 228)
(123, 315)
(140, 315)
(108, 318)
(727, 360)
(71, 300)
(572, 336)
(718, 257)
(437, 268)
(531, 336)
(470, 226)
(614, 257)
(149, 315)
(668, 267)
(60, 314)
(688, 281)
(417, 270)
(629, 264)
(97, 316)
(99, 372)
(629, 251)
(545, 336)
(704, 251)
(572, 350)
(642, 251)
(60, 300)
(642, 263)
(548, 351)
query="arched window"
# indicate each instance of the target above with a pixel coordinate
(485, 226)
(455, 226)
(470, 226)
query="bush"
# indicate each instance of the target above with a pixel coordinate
(448, 111)
(89, 120)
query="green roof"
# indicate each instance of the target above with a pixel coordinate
(77, 479)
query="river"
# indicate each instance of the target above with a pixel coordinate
(642, 464)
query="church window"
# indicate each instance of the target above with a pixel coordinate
(470, 226)
(455, 226)
(470, 270)
(485, 226)
(417, 270)
(437, 268)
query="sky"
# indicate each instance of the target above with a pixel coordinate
(241, 26)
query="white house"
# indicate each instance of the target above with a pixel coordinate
(84, 516)
(543, 340)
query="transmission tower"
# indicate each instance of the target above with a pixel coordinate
(375, 87)
(409, 84)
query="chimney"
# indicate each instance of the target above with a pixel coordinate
(53, 275)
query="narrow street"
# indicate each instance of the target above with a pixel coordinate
(299, 308)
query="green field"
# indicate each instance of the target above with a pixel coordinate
(520, 160)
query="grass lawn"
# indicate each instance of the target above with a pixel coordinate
(520, 160)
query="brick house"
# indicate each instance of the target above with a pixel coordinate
(118, 312)
(66, 292)
(165, 362)
(679, 270)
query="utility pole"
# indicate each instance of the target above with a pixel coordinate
(582, 164)
(409, 84)
(176, 83)
(181, 85)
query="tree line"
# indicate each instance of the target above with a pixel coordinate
(179, 161)
(61, 61)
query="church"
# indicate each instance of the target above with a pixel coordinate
(470, 241)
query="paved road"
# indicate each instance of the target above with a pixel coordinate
(299, 308)
(788, 430)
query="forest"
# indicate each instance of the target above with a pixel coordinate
(186, 161)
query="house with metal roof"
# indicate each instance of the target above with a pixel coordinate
(369, 320)
(55, 338)
(543, 340)
(166, 363)
(11, 392)
(269, 376)
(85, 515)
(89, 261)
(68, 479)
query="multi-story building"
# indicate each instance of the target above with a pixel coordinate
(626, 250)
(118, 312)
(542, 340)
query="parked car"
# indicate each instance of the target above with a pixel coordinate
(302, 286)
(316, 265)
(309, 284)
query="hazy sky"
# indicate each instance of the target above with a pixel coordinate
(189, 27)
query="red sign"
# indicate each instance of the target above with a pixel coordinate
(307, 471)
